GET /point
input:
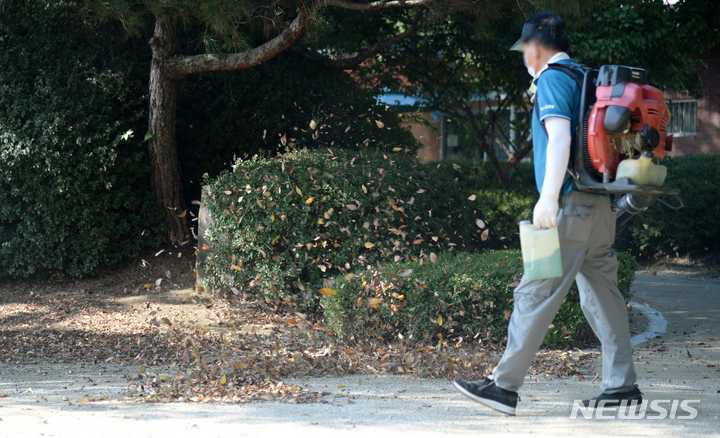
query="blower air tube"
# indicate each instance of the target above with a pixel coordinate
(630, 205)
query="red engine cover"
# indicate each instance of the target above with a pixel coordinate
(647, 106)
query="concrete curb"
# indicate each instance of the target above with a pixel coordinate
(658, 324)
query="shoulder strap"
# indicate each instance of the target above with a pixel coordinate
(572, 71)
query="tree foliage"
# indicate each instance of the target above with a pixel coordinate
(461, 66)
(73, 186)
(663, 39)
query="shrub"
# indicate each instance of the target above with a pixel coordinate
(463, 295)
(503, 207)
(292, 222)
(74, 193)
(692, 229)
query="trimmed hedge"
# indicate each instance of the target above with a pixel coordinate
(466, 296)
(503, 207)
(74, 191)
(291, 223)
(692, 229)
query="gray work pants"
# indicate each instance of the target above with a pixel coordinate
(586, 226)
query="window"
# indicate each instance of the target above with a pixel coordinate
(684, 117)
(459, 141)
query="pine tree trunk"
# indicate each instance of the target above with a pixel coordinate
(166, 174)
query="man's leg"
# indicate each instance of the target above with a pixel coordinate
(537, 301)
(604, 306)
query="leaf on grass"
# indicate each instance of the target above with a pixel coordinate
(369, 245)
(364, 188)
(439, 320)
(379, 124)
(283, 139)
(223, 379)
(472, 197)
(397, 149)
(310, 200)
(313, 125)
(405, 273)
(418, 241)
(485, 235)
(374, 301)
(297, 189)
(421, 191)
(327, 291)
(227, 192)
(351, 207)
(433, 257)
(480, 223)
(514, 284)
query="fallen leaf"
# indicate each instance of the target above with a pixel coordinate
(374, 301)
(405, 273)
(313, 125)
(433, 257)
(485, 235)
(369, 245)
(480, 223)
(223, 380)
(309, 200)
(439, 320)
(327, 291)
(379, 124)
(397, 149)
(472, 197)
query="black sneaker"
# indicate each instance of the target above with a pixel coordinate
(490, 395)
(632, 398)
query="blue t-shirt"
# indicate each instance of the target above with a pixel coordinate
(557, 95)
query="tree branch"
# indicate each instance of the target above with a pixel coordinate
(184, 65)
(355, 61)
(376, 5)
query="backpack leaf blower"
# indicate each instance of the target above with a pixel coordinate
(622, 130)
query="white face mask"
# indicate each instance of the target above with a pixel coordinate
(530, 69)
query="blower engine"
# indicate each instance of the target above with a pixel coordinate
(621, 117)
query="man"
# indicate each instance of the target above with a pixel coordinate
(586, 227)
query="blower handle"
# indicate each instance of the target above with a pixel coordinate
(672, 207)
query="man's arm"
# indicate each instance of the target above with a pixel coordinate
(558, 155)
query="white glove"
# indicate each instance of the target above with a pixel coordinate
(556, 162)
(546, 210)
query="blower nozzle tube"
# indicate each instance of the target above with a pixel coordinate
(630, 205)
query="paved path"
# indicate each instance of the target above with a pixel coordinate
(43, 399)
